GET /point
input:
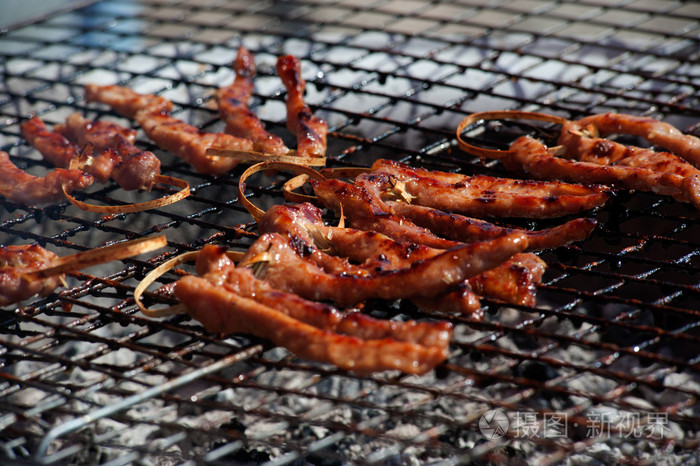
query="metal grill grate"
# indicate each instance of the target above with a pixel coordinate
(614, 339)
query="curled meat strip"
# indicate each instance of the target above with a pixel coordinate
(233, 108)
(102, 149)
(431, 277)
(23, 188)
(184, 140)
(581, 142)
(15, 261)
(488, 196)
(311, 131)
(535, 158)
(655, 131)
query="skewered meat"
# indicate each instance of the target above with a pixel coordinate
(214, 265)
(138, 168)
(514, 281)
(55, 147)
(311, 131)
(368, 212)
(126, 102)
(534, 157)
(655, 131)
(221, 310)
(184, 140)
(104, 150)
(23, 188)
(581, 141)
(15, 261)
(488, 196)
(233, 108)
(466, 229)
(428, 278)
(100, 134)
(418, 224)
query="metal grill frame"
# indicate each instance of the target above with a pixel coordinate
(82, 368)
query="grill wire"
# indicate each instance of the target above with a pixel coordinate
(607, 361)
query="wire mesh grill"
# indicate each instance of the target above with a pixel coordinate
(604, 368)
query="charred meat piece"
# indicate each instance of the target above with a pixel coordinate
(23, 188)
(431, 277)
(99, 134)
(311, 131)
(366, 211)
(55, 147)
(466, 229)
(535, 158)
(126, 102)
(102, 149)
(233, 108)
(359, 253)
(482, 196)
(223, 311)
(214, 265)
(15, 261)
(184, 140)
(657, 132)
(138, 169)
(514, 281)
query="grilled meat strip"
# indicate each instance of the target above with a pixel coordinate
(311, 131)
(368, 212)
(104, 150)
(126, 102)
(657, 132)
(21, 187)
(15, 261)
(418, 224)
(351, 252)
(534, 157)
(289, 271)
(488, 196)
(466, 229)
(514, 281)
(184, 140)
(100, 134)
(223, 311)
(214, 265)
(233, 108)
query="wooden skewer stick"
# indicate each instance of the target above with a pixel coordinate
(251, 156)
(97, 256)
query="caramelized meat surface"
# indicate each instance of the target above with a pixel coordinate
(15, 261)
(23, 188)
(233, 108)
(311, 131)
(483, 196)
(182, 139)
